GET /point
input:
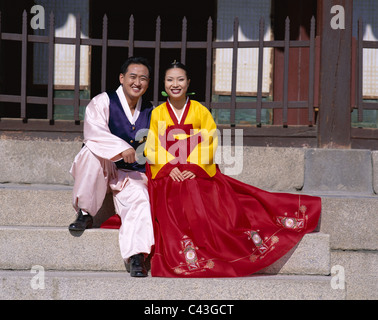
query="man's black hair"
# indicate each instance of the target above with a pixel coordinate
(136, 60)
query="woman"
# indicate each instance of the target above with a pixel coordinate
(207, 224)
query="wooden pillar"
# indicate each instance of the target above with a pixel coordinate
(334, 130)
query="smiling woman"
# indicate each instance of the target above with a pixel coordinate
(176, 84)
(207, 224)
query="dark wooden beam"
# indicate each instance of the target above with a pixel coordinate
(335, 77)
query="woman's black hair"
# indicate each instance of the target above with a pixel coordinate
(136, 60)
(177, 64)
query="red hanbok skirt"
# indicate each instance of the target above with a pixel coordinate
(221, 227)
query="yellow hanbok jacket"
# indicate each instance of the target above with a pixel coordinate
(191, 140)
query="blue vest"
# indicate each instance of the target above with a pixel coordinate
(121, 127)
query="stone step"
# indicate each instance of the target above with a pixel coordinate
(349, 219)
(58, 285)
(360, 271)
(42, 205)
(48, 161)
(280, 169)
(55, 248)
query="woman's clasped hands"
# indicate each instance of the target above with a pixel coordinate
(178, 175)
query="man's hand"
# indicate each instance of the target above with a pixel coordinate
(129, 155)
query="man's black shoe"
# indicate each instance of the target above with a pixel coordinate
(137, 266)
(82, 222)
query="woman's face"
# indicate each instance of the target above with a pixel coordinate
(176, 83)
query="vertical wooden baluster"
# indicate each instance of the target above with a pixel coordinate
(131, 36)
(104, 52)
(209, 42)
(183, 40)
(77, 71)
(234, 71)
(286, 71)
(24, 46)
(157, 61)
(311, 73)
(260, 72)
(50, 81)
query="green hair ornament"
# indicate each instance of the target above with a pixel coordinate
(164, 94)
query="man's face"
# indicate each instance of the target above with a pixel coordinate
(134, 82)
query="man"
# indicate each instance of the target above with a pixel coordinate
(108, 159)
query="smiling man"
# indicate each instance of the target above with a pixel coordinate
(112, 132)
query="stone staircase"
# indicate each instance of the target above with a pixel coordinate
(35, 210)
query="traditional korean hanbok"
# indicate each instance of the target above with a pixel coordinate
(213, 225)
(110, 129)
